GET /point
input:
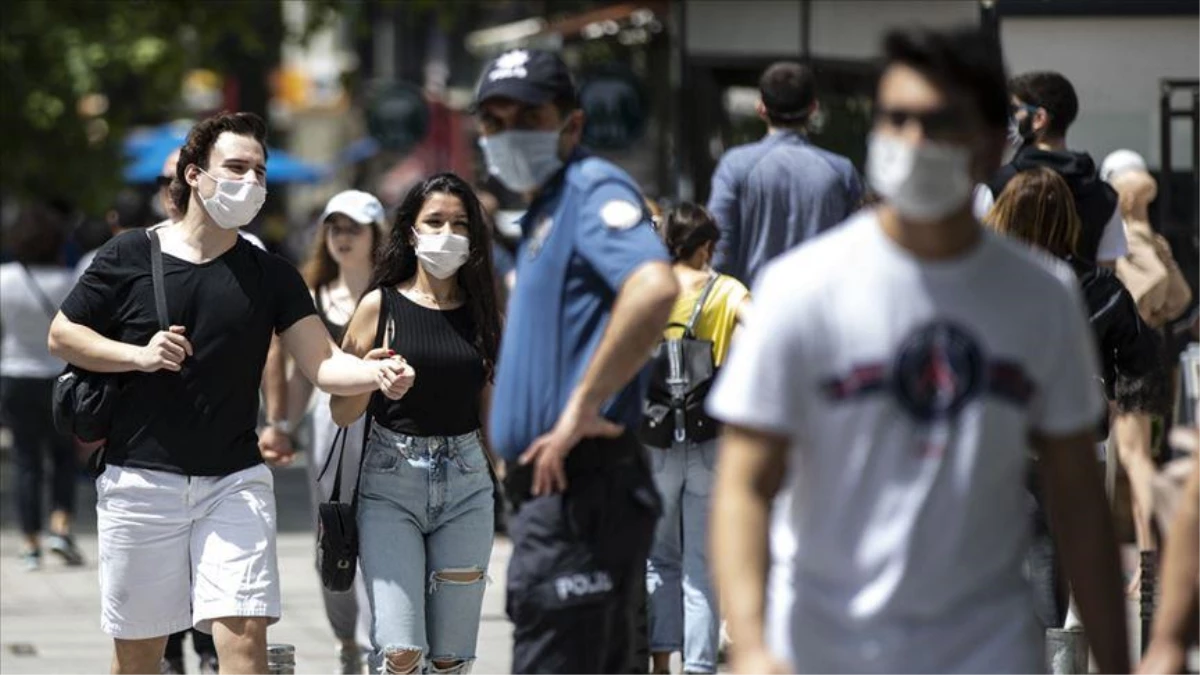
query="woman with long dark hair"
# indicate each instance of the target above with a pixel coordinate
(425, 512)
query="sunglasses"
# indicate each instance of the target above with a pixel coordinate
(163, 181)
(935, 123)
(1015, 108)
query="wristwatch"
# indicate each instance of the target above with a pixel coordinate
(283, 426)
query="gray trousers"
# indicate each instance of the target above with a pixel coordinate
(349, 613)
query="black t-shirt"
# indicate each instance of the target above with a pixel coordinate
(202, 420)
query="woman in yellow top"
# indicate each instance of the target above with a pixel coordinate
(683, 614)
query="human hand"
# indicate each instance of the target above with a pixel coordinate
(1163, 656)
(276, 447)
(1135, 189)
(395, 376)
(165, 351)
(549, 451)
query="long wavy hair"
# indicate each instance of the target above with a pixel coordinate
(1037, 207)
(397, 261)
(320, 269)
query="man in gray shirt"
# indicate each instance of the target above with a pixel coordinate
(778, 192)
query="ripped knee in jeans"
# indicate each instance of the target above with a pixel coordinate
(455, 577)
(445, 665)
(402, 661)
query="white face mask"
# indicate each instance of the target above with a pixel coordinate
(235, 202)
(522, 160)
(442, 254)
(924, 182)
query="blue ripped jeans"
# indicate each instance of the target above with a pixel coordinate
(683, 611)
(425, 531)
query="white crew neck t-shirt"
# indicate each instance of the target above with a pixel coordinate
(907, 389)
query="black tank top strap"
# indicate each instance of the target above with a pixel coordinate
(386, 313)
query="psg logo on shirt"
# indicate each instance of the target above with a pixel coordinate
(940, 367)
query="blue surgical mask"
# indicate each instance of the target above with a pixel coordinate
(520, 159)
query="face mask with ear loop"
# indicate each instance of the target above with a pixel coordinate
(522, 160)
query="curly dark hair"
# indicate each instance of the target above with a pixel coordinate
(198, 147)
(477, 277)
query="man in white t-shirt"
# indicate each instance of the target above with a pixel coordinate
(896, 377)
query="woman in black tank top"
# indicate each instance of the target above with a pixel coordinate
(338, 271)
(425, 510)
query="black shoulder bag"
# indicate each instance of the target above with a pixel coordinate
(83, 400)
(682, 371)
(337, 521)
(337, 524)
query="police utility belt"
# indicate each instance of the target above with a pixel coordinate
(682, 371)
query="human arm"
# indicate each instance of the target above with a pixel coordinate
(749, 474)
(359, 339)
(85, 348)
(1174, 627)
(724, 205)
(274, 440)
(1083, 531)
(337, 372)
(640, 312)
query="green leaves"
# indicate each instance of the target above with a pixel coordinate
(77, 75)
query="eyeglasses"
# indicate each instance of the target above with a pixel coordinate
(163, 181)
(935, 123)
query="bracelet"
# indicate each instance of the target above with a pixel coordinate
(283, 426)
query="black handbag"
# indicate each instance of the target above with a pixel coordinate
(682, 371)
(84, 401)
(337, 524)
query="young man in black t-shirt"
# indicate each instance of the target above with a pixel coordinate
(186, 508)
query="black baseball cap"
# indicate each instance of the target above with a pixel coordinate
(532, 76)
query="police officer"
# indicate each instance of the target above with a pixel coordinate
(594, 291)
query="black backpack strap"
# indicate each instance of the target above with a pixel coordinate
(690, 330)
(47, 306)
(160, 286)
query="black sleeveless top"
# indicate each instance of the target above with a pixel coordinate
(450, 376)
(336, 330)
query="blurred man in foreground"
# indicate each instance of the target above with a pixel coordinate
(893, 381)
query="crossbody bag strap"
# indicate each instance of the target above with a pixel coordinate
(690, 330)
(43, 299)
(160, 286)
(338, 447)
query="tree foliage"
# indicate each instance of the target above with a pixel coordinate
(77, 75)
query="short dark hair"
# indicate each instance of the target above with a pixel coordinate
(1053, 93)
(200, 140)
(965, 60)
(788, 90)
(688, 227)
(37, 236)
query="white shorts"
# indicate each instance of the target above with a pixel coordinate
(179, 551)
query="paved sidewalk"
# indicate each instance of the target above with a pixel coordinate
(50, 619)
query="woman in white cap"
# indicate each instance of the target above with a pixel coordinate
(338, 272)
